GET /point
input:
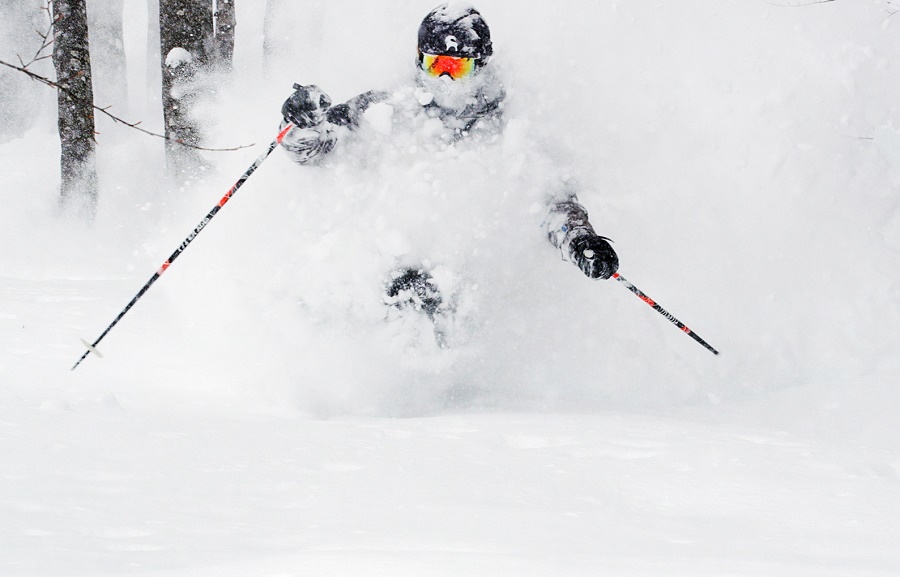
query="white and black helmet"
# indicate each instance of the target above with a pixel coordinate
(455, 29)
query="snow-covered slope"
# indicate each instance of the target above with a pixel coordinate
(251, 416)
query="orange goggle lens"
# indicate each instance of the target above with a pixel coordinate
(437, 65)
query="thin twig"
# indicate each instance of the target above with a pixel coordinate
(46, 41)
(105, 111)
(891, 10)
(46, 36)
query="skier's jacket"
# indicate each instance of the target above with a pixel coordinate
(566, 219)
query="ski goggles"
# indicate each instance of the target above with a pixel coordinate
(438, 64)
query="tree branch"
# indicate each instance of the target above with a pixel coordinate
(47, 38)
(106, 112)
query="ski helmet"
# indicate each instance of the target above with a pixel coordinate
(455, 29)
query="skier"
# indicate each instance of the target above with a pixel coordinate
(456, 84)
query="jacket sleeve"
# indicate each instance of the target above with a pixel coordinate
(566, 220)
(310, 145)
(349, 113)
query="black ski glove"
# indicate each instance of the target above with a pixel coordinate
(594, 256)
(306, 107)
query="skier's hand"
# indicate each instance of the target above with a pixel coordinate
(306, 107)
(594, 256)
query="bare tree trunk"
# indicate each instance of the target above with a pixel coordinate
(153, 52)
(187, 24)
(20, 98)
(72, 59)
(108, 51)
(284, 37)
(186, 43)
(275, 33)
(225, 23)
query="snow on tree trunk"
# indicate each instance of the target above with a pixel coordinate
(71, 57)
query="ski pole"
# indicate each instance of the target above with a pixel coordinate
(663, 312)
(92, 347)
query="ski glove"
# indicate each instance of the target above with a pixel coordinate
(594, 256)
(306, 107)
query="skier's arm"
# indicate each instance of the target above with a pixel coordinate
(316, 121)
(569, 230)
(349, 113)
